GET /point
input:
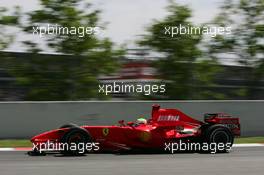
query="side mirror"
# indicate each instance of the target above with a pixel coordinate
(130, 123)
(121, 122)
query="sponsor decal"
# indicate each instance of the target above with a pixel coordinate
(229, 121)
(231, 126)
(168, 118)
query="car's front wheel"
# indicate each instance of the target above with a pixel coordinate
(74, 142)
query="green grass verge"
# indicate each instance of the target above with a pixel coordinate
(27, 143)
(249, 140)
(15, 143)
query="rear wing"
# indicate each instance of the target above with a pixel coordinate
(170, 116)
(224, 119)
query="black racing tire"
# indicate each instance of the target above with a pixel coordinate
(69, 125)
(36, 153)
(76, 136)
(219, 135)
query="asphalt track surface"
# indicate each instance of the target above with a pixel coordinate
(240, 161)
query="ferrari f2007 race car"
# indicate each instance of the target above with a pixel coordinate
(164, 131)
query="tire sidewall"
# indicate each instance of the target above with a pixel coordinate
(66, 139)
(213, 130)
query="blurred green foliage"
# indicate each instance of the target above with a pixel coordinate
(7, 20)
(188, 69)
(55, 77)
(244, 46)
(187, 75)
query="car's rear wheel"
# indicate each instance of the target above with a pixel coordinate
(219, 138)
(75, 142)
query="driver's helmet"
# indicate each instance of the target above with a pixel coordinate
(141, 121)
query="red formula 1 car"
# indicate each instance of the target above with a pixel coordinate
(164, 131)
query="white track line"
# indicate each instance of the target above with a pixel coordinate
(7, 149)
(248, 145)
(15, 149)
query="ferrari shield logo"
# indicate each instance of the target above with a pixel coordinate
(105, 131)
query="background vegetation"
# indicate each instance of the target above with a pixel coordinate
(189, 66)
